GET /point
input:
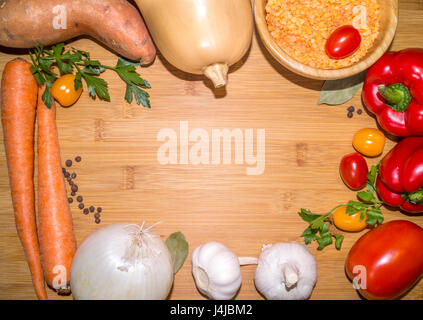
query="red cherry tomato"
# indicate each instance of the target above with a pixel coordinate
(353, 170)
(343, 42)
(388, 260)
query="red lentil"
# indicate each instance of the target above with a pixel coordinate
(301, 28)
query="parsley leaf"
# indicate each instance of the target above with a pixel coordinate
(339, 238)
(319, 230)
(46, 96)
(371, 176)
(134, 83)
(366, 196)
(141, 96)
(307, 215)
(96, 86)
(374, 216)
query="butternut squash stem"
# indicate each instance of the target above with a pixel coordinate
(217, 73)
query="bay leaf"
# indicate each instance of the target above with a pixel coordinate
(178, 248)
(336, 92)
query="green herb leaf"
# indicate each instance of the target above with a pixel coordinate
(355, 206)
(339, 238)
(336, 92)
(309, 235)
(96, 70)
(308, 216)
(46, 96)
(324, 241)
(78, 82)
(178, 248)
(366, 196)
(318, 230)
(141, 96)
(374, 216)
(372, 174)
(96, 86)
(122, 62)
(63, 65)
(38, 75)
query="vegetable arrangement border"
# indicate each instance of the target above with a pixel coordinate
(139, 265)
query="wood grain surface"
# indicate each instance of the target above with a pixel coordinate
(120, 171)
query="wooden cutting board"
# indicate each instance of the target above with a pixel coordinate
(120, 170)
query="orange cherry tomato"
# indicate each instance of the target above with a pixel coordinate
(346, 222)
(63, 90)
(369, 142)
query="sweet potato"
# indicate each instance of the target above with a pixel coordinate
(115, 23)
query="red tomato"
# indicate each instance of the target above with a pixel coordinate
(389, 259)
(343, 42)
(353, 170)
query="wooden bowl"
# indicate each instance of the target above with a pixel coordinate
(388, 25)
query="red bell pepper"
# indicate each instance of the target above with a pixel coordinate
(393, 91)
(400, 179)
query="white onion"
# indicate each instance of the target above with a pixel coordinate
(122, 261)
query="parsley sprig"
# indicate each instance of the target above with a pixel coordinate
(321, 228)
(80, 62)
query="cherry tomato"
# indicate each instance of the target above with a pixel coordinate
(353, 169)
(346, 222)
(63, 90)
(387, 260)
(343, 42)
(369, 142)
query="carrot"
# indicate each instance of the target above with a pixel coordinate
(18, 104)
(55, 233)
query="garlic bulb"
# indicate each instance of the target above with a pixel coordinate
(200, 36)
(216, 270)
(285, 271)
(122, 261)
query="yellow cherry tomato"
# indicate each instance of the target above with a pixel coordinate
(346, 222)
(369, 142)
(63, 90)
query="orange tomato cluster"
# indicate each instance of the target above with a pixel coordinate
(353, 169)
